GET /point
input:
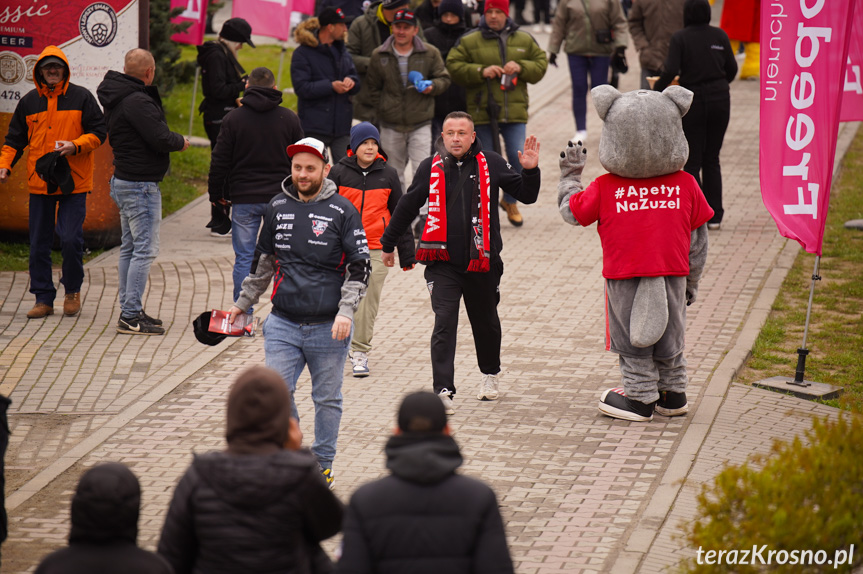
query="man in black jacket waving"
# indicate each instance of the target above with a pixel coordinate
(424, 518)
(461, 243)
(142, 141)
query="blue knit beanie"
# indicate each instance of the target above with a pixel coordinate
(362, 132)
(454, 6)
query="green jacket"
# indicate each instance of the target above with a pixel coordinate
(483, 47)
(404, 108)
(573, 25)
(364, 38)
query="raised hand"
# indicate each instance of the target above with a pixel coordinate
(530, 158)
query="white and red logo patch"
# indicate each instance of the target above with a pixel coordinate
(318, 226)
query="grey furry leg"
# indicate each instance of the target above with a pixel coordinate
(640, 378)
(572, 160)
(672, 374)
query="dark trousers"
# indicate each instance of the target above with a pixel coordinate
(541, 12)
(704, 126)
(213, 135)
(481, 292)
(69, 211)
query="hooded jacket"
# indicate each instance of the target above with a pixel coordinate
(246, 167)
(105, 528)
(257, 507)
(315, 252)
(401, 107)
(66, 112)
(701, 54)
(524, 187)
(375, 192)
(137, 127)
(424, 518)
(651, 24)
(314, 68)
(576, 29)
(221, 80)
(484, 47)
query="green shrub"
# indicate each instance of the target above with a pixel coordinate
(804, 497)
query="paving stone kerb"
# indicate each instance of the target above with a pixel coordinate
(579, 492)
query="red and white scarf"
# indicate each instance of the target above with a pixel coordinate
(432, 246)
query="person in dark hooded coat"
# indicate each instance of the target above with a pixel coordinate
(246, 169)
(424, 518)
(703, 57)
(260, 506)
(104, 530)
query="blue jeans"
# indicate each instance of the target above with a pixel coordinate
(140, 204)
(579, 68)
(246, 220)
(288, 348)
(513, 142)
(70, 210)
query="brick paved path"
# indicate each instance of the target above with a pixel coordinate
(579, 492)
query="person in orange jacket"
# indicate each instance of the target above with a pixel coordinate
(373, 187)
(59, 117)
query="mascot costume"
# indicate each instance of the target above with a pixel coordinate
(652, 224)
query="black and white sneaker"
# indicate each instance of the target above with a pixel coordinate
(672, 404)
(138, 326)
(616, 404)
(151, 320)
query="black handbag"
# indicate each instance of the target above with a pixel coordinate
(603, 36)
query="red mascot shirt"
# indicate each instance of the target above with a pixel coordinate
(645, 225)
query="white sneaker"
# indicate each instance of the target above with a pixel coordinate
(580, 136)
(446, 399)
(547, 28)
(488, 391)
(360, 362)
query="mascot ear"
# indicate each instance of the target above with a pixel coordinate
(603, 96)
(681, 97)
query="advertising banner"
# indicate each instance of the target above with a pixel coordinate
(852, 101)
(270, 18)
(95, 37)
(194, 12)
(804, 48)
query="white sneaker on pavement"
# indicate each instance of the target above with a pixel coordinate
(360, 362)
(446, 399)
(488, 391)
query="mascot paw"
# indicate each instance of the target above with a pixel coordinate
(572, 159)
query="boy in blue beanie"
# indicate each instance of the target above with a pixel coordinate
(364, 178)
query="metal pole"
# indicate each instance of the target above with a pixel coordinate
(802, 351)
(281, 65)
(194, 97)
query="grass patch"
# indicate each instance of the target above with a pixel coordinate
(835, 339)
(187, 179)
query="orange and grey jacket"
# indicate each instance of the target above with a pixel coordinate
(375, 192)
(45, 115)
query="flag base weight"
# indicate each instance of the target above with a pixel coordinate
(810, 392)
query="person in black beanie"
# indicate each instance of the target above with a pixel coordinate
(104, 532)
(443, 35)
(424, 518)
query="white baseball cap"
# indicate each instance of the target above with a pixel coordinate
(309, 145)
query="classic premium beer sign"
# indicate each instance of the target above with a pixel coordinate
(94, 36)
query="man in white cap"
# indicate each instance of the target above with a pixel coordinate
(314, 247)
